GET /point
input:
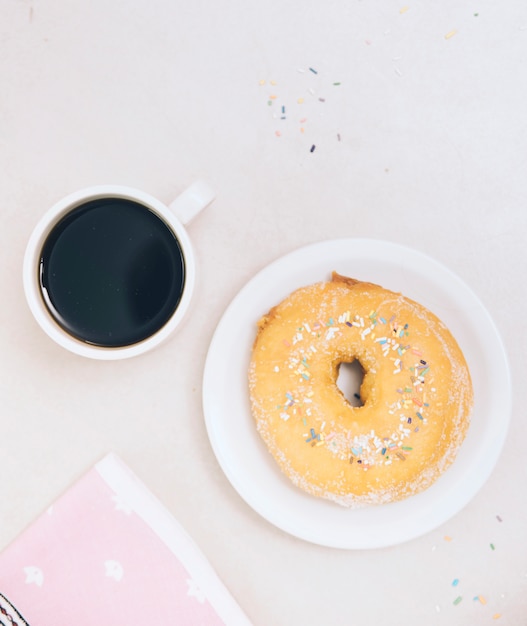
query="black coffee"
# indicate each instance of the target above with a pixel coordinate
(111, 272)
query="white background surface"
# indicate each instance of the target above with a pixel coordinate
(432, 155)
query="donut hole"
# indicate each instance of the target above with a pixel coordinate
(349, 380)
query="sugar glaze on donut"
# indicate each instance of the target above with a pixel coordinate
(416, 392)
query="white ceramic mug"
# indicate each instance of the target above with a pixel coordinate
(174, 217)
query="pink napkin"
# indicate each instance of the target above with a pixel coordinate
(108, 553)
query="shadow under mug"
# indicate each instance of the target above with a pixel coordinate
(109, 271)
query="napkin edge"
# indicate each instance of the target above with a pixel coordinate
(126, 484)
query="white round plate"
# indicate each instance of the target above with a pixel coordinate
(244, 457)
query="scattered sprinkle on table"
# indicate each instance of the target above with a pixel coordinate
(480, 599)
(492, 546)
(455, 582)
(447, 538)
(499, 518)
(457, 600)
(274, 99)
(403, 10)
(451, 34)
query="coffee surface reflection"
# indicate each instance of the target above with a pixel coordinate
(111, 272)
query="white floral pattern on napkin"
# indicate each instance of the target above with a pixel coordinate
(106, 552)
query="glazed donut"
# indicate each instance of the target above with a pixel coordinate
(416, 392)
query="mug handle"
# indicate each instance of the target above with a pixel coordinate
(193, 200)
